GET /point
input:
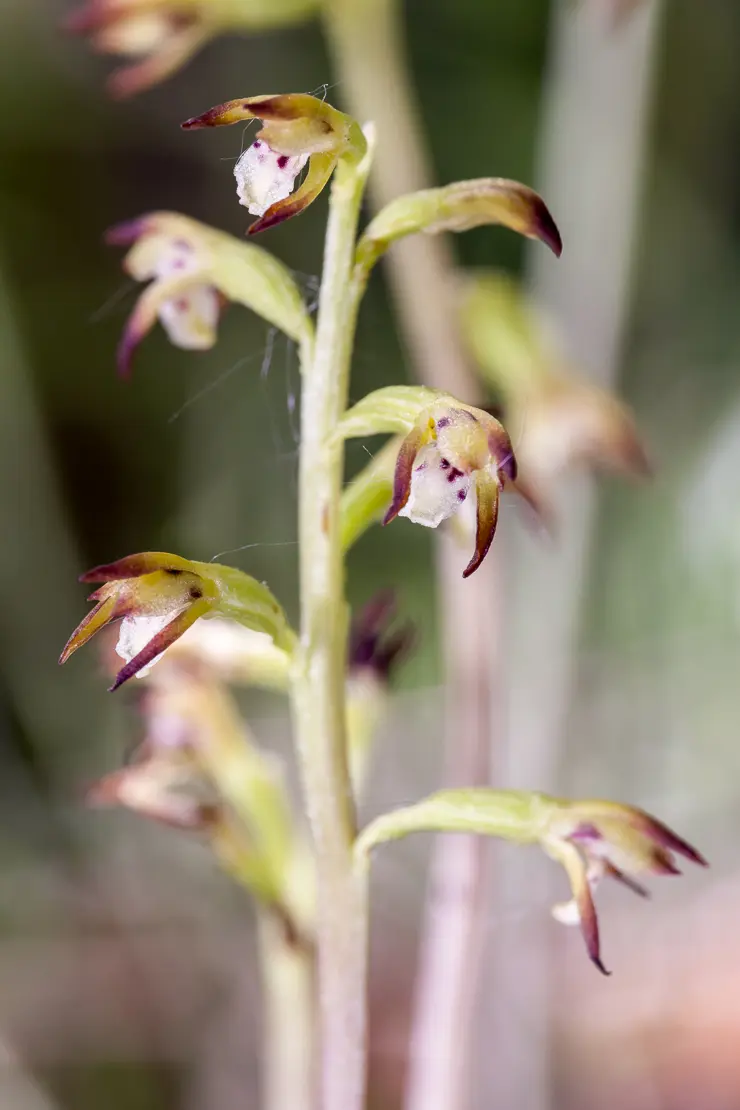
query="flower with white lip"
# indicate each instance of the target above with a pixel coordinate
(600, 839)
(453, 450)
(194, 270)
(453, 456)
(296, 129)
(158, 596)
(591, 839)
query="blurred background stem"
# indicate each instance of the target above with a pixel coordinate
(595, 106)
(288, 1018)
(366, 38)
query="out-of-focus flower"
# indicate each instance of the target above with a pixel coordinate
(194, 271)
(376, 649)
(590, 839)
(296, 128)
(451, 451)
(557, 420)
(236, 654)
(162, 35)
(198, 768)
(158, 596)
(163, 788)
(597, 839)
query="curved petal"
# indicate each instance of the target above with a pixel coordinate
(408, 451)
(320, 170)
(487, 503)
(570, 858)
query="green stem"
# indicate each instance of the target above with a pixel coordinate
(287, 990)
(367, 40)
(320, 664)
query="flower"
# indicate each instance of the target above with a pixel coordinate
(597, 839)
(567, 423)
(194, 271)
(296, 129)
(164, 788)
(373, 648)
(589, 838)
(162, 35)
(451, 450)
(557, 419)
(374, 651)
(158, 596)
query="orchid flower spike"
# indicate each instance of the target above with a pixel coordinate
(296, 129)
(158, 596)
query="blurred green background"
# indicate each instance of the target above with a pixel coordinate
(118, 946)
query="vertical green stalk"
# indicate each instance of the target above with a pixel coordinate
(366, 37)
(287, 996)
(320, 664)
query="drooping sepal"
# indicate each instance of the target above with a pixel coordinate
(488, 494)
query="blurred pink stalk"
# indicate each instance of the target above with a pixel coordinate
(596, 104)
